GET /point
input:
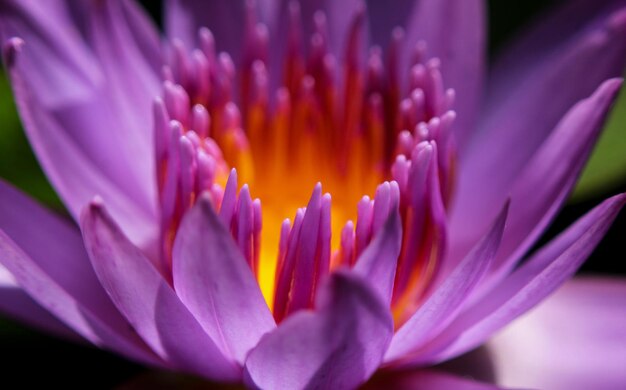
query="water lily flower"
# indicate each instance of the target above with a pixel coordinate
(195, 171)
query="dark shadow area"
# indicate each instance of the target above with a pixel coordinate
(30, 359)
(475, 364)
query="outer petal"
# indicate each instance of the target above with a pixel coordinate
(145, 34)
(527, 103)
(550, 36)
(576, 339)
(46, 258)
(148, 301)
(538, 277)
(454, 31)
(446, 301)
(15, 303)
(90, 102)
(338, 346)
(542, 187)
(214, 281)
(68, 59)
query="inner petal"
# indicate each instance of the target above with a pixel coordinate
(335, 122)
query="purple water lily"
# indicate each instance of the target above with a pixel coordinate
(412, 258)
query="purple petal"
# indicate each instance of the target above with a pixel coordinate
(383, 19)
(538, 277)
(378, 262)
(303, 283)
(145, 34)
(88, 320)
(87, 104)
(528, 101)
(542, 187)
(425, 380)
(149, 302)
(454, 31)
(550, 35)
(16, 304)
(446, 301)
(127, 48)
(576, 339)
(225, 19)
(520, 113)
(339, 345)
(68, 60)
(340, 16)
(46, 258)
(214, 281)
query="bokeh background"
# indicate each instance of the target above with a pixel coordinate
(53, 362)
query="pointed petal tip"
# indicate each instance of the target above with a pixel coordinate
(618, 200)
(95, 217)
(316, 195)
(97, 202)
(230, 308)
(538, 277)
(11, 50)
(612, 85)
(604, 96)
(317, 349)
(95, 208)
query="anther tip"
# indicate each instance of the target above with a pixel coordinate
(176, 125)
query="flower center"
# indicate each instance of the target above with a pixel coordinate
(344, 122)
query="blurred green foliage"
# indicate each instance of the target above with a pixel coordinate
(606, 168)
(18, 165)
